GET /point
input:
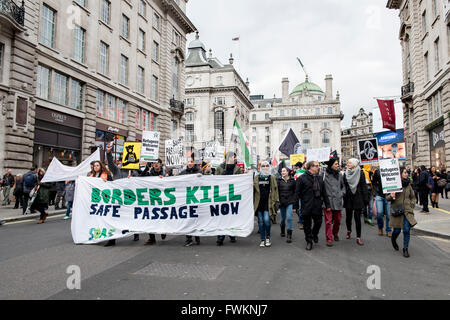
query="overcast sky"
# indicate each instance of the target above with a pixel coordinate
(354, 40)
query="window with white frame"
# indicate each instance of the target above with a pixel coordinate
(140, 79)
(175, 78)
(154, 88)
(125, 27)
(155, 51)
(79, 44)
(173, 129)
(294, 112)
(2, 55)
(219, 126)
(81, 2)
(110, 107)
(306, 140)
(326, 139)
(253, 117)
(142, 8)
(427, 66)
(281, 113)
(190, 101)
(59, 88)
(105, 13)
(123, 79)
(437, 55)
(141, 40)
(330, 110)
(48, 26)
(43, 82)
(176, 38)
(317, 111)
(156, 21)
(76, 94)
(220, 101)
(189, 117)
(266, 116)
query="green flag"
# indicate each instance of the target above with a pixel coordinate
(245, 145)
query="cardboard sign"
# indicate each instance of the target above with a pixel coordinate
(175, 154)
(131, 154)
(368, 151)
(150, 146)
(294, 158)
(391, 180)
(319, 154)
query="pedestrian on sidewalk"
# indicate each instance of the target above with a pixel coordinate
(311, 191)
(265, 200)
(356, 197)
(382, 205)
(424, 188)
(415, 183)
(18, 191)
(68, 194)
(42, 198)
(335, 192)
(29, 182)
(7, 184)
(229, 167)
(191, 168)
(447, 186)
(402, 212)
(437, 188)
(286, 192)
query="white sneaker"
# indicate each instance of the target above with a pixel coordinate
(268, 244)
(66, 217)
(262, 244)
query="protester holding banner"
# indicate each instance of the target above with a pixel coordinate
(356, 197)
(42, 197)
(402, 212)
(117, 173)
(229, 167)
(68, 194)
(191, 168)
(335, 192)
(311, 191)
(100, 171)
(265, 199)
(381, 204)
(286, 190)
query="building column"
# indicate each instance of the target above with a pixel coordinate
(90, 122)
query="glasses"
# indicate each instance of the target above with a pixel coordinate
(314, 165)
(265, 166)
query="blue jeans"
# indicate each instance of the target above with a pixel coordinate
(383, 207)
(264, 224)
(406, 232)
(69, 206)
(286, 214)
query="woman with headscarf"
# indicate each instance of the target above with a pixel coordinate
(356, 197)
(405, 202)
(265, 199)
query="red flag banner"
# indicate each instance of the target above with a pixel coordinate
(387, 111)
(236, 39)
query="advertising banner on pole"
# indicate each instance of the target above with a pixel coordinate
(188, 204)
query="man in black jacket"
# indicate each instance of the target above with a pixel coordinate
(423, 189)
(7, 184)
(311, 191)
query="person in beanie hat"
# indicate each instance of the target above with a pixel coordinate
(356, 197)
(335, 191)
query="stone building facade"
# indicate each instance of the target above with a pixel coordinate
(79, 74)
(361, 128)
(216, 95)
(425, 38)
(314, 115)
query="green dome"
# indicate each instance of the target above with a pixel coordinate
(312, 87)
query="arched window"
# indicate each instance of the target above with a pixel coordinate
(306, 141)
(325, 139)
(219, 126)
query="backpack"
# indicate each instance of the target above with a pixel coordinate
(29, 180)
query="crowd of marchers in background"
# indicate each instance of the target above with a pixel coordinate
(308, 190)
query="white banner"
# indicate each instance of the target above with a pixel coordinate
(175, 153)
(188, 204)
(319, 154)
(391, 180)
(150, 146)
(58, 172)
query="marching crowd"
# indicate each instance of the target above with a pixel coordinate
(308, 191)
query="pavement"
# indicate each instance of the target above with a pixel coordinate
(436, 223)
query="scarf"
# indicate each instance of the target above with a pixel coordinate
(353, 178)
(229, 169)
(333, 172)
(405, 183)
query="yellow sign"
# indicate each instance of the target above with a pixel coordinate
(294, 158)
(131, 154)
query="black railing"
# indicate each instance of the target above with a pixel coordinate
(408, 89)
(10, 8)
(177, 106)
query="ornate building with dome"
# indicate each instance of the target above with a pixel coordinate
(313, 114)
(215, 95)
